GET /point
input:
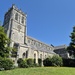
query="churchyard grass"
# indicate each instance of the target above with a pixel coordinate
(40, 71)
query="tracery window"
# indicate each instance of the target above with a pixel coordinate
(16, 16)
(22, 19)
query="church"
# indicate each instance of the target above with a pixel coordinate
(27, 47)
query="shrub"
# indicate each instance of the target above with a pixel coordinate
(6, 64)
(47, 62)
(27, 63)
(56, 61)
(30, 62)
(22, 63)
(34, 61)
(19, 60)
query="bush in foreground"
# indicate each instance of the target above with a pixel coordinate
(30, 62)
(25, 63)
(6, 64)
(54, 61)
(47, 62)
(22, 63)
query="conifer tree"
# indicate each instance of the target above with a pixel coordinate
(71, 47)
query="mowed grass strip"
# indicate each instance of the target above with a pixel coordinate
(40, 71)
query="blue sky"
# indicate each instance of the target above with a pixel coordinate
(50, 21)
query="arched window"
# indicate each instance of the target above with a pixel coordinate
(34, 58)
(15, 49)
(22, 19)
(16, 16)
(24, 55)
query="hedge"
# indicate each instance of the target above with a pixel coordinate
(69, 62)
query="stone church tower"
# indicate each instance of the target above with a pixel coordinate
(15, 25)
(15, 28)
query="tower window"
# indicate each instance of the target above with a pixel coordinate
(22, 20)
(16, 16)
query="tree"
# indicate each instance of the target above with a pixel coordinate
(4, 49)
(71, 47)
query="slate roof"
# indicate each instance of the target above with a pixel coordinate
(33, 47)
(60, 47)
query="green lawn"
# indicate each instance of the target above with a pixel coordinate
(40, 71)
